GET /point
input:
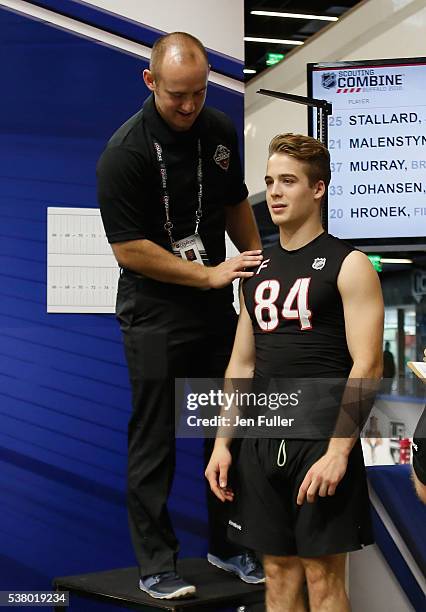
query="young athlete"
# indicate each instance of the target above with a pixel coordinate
(314, 308)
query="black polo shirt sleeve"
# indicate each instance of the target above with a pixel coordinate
(237, 188)
(120, 193)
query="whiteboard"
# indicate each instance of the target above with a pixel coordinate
(82, 273)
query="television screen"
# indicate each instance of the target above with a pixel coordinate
(377, 142)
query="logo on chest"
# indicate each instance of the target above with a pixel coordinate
(319, 263)
(222, 156)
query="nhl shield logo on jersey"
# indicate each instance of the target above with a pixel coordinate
(222, 156)
(319, 263)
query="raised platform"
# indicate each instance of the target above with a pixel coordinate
(216, 589)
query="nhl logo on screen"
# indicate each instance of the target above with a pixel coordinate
(328, 80)
(221, 156)
(319, 263)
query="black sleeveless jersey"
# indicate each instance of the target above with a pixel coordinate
(297, 311)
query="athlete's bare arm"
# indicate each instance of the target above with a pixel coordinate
(241, 227)
(419, 486)
(146, 257)
(362, 299)
(241, 365)
(359, 287)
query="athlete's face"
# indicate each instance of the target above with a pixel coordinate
(291, 199)
(179, 89)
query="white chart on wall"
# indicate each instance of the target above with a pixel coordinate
(377, 142)
(82, 273)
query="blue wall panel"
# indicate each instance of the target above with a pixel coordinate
(64, 394)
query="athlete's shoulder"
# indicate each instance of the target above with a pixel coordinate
(338, 243)
(335, 251)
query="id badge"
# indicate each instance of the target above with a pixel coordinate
(191, 249)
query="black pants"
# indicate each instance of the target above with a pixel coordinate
(169, 332)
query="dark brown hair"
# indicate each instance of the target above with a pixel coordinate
(188, 44)
(311, 152)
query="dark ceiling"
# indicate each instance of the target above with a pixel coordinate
(284, 28)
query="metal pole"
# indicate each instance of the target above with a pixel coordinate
(324, 109)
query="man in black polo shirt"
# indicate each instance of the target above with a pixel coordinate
(169, 184)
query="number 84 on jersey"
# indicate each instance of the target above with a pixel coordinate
(295, 304)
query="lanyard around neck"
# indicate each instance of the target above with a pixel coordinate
(168, 226)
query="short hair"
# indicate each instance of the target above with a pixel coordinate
(311, 152)
(188, 43)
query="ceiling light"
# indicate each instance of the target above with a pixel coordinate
(278, 41)
(249, 71)
(395, 260)
(294, 15)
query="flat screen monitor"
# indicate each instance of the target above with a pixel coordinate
(377, 142)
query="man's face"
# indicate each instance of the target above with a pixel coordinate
(180, 90)
(290, 198)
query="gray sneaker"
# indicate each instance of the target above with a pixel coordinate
(167, 585)
(245, 566)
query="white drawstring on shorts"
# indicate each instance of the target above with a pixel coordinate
(282, 456)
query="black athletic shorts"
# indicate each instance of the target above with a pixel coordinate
(419, 449)
(266, 518)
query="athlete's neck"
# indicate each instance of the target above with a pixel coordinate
(296, 238)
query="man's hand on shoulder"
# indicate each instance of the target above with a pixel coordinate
(150, 259)
(236, 267)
